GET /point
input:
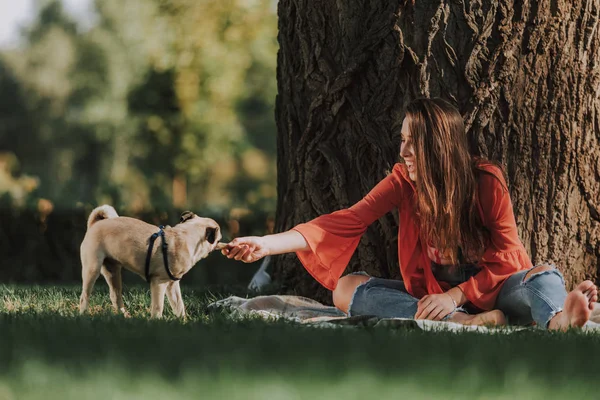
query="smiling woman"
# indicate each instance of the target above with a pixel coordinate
(407, 150)
(458, 244)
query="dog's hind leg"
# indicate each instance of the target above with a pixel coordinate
(112, 273)
(157, 292)
(90, 271)
(175, 299)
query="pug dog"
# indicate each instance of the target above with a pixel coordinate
(113, 242)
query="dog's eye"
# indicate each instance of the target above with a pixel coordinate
(211, 234)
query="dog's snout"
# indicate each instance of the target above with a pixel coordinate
(211, 234)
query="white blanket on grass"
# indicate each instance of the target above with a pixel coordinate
(307, 311)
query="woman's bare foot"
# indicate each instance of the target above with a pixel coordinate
(577, 308)
(488, 318)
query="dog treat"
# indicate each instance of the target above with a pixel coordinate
(221, 246)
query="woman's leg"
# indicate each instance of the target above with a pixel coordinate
(489, 318)
(359, 294)
(539, 295)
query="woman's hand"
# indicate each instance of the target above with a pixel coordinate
(247, 249)
(435, 306)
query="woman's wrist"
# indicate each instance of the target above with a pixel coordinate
(265, 243)
(453, 301)
(457, 296)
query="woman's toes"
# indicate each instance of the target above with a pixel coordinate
(576, 308)
(592, 295)
(585, 286)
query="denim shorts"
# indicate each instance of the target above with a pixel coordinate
(383, 298)
(536, 299)
(533, 300)
(388, 298)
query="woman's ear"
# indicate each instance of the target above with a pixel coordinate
(186, 215)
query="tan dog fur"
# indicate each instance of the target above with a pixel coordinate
(112, 242)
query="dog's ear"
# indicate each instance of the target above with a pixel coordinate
(186, 215)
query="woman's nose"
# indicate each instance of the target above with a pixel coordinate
(405, 151)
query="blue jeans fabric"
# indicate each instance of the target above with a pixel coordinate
(383, 298)
(536, 299)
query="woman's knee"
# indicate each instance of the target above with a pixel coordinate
(537, 271)
(545, 279)
(346, 286)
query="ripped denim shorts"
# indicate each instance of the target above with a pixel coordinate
(388, 298)
(524, 301)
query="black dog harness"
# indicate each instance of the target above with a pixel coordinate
(161, 232)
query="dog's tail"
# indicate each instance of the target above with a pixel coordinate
(100, 213)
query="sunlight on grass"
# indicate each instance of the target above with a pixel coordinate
(64, 301)
(48, 351)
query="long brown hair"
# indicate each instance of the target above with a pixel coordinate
(447, 190)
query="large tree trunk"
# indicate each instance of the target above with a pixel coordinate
(526, 77)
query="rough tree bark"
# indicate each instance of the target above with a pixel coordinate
(525, 75)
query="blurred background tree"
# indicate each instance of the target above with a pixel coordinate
(160, 104)
(153, 106)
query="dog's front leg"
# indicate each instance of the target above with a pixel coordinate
(175, 299)
(157, 291)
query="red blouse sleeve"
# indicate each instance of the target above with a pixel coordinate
(505, 253)
(333, 238)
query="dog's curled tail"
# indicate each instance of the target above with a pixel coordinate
(100, 213)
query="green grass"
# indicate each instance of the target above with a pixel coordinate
(48, 351)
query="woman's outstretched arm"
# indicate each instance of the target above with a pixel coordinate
(252, 248)
(325, 244)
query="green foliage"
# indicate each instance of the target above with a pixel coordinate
(161, 104)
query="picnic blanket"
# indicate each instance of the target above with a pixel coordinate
(307, 311)
(310, 312)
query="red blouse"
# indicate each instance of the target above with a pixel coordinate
(332, 238)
